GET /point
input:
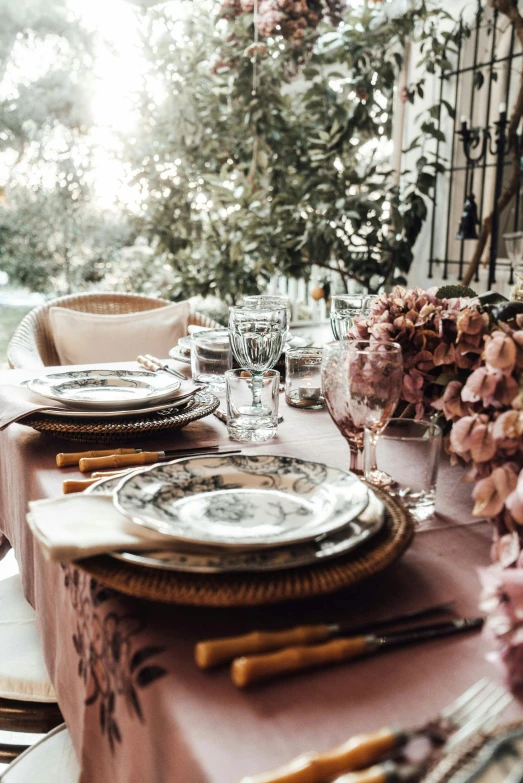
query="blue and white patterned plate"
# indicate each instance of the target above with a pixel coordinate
(105, 389)
(242, 502)
(357, 532)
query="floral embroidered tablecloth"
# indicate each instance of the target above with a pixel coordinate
(137, 707)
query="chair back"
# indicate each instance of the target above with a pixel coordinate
(32, 344)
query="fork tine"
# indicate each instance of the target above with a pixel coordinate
(488, 704)
(462, 700)
(479, 703)
(484, 721)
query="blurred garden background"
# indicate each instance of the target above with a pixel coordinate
(206, 148)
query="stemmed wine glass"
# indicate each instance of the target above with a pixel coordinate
(257, 338)
(362, 386)
(343, 309)
(269, 302)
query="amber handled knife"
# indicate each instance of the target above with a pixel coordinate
(257, 668)
(357, 753)
(67, 460)
(214, 652)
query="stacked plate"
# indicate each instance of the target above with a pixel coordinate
(182, 351)
(106, 393)
(245, 513)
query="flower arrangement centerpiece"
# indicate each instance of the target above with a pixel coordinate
(463, 361)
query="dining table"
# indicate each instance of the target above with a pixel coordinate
(136, 705)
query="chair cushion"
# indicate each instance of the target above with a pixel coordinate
(51, 760)
(92, 338)
(23, 674)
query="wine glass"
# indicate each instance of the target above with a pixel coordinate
(343, 309)
(257, 337)
(269, 301)
(362, 386)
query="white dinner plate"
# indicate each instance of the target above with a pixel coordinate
(105, 389)
(243, 502)
(357, 532)
(184, 404)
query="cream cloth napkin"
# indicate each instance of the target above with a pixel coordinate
(17, 402)
(77, 526)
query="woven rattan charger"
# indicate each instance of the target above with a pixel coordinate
(123, 430)
(245, 589)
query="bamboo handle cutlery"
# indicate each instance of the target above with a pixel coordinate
(214, 652)
(154, 364)
(123, 460)
(64, 460)
(378, 757)
(356, 754)
(262, 655)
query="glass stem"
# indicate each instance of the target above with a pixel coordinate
(370, 454)
(356, 457)
(257, 388)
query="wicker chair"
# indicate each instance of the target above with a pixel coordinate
(32, 343)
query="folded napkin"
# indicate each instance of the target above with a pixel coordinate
(77, 526)
(17, 402)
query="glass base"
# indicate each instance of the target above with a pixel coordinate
(421, 505)
(297, 400)
(214, 383)
(379, 478)
(254, 412)
(251, 434)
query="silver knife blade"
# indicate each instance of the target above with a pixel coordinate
(424, 633)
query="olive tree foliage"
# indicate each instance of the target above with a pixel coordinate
(238, 183)
(52, 237)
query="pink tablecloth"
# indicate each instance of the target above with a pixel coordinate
(139, 710)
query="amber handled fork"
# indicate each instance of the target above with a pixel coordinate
(476, 708)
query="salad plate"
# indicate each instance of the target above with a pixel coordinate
(319, 550)
(242, 502)
(180, 354)
(105, 389)
(182, 351)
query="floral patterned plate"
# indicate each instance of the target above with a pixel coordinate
(105, 389)
(357, 532)
(243, 502)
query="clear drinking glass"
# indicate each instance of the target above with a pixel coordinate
(303, 386)
(257, 337)
(408, 453)
(241, 424)
(343, 309)
(211, 357)
(362, 386)
(367, 303)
